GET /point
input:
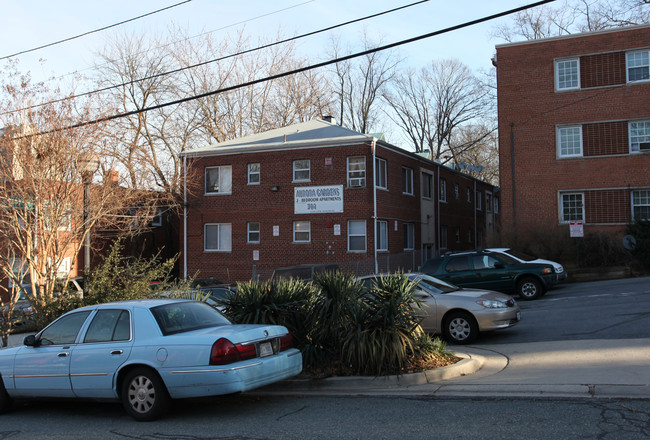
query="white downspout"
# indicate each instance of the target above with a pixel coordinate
(185, 217)
(374, 200)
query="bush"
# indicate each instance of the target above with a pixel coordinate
(640, 230)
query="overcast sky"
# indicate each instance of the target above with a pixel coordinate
(25, 24)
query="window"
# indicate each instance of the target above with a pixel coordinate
(469, 235)
(218, 180)
(569, 141)
(253, 173)
(572, 207)
(479, 201)
(302, 232)
(356, 236)
(457, 234)
(641, 205)
(496, 205)
(639, 136)
(253, 232)
(409, 236)
(218, 237)
(427, 185)
(356, 172)
(380, 179)
(469, 195)
(443, 190)
(567, 74)
(301, 170)
(443, 237)
(382, 235)
(407, 181)
(109, 325)
(157, 219)
(456, 191)
(488, 202)
(65, 330)
(638, 66)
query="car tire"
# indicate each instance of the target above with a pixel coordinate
(460, 328)
(144, 395)
(5, 400)
(529, 288)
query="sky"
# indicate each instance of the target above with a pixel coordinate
(26, 24)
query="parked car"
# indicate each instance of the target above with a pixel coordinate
(492, 271)
(560, 273)
(304, 271)
(456, 313)
(23, 312)
(145, 353)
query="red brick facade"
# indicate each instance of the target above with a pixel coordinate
(567, 147)
(270, 203)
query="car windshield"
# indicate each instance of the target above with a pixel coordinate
(520, 255)
(434, 284)
(179, 317)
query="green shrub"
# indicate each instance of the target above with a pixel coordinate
(640, 230)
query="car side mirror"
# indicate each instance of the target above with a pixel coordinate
(30, 341)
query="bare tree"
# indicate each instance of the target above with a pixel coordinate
(571, 16)
(432, 104)
(359, 85)
(49, 203)
(479, 152)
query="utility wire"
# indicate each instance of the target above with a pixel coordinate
(94, 31)
(266, 46)
(300, 70)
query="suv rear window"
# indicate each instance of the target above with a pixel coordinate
(457, 264)
(431, 265)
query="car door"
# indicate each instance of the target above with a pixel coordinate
(429, 312)
(491, 273)
(43, 370)
(105, 346)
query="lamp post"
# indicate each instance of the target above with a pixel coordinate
(87, 167)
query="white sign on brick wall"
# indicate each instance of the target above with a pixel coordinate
(318, 199)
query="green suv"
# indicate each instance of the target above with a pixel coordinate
(492, 271)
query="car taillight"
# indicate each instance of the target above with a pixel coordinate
(286, 342)
(225, 352)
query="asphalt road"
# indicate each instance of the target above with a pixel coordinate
(612, 309)
(615, 309)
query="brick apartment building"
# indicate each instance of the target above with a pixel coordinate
(309, 193)
(574, 132)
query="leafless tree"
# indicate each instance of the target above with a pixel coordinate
(359, 84)
(572, 16)
(49, 202)
(479, 152)
(432, 104)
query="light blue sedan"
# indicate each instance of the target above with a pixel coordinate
(145, 353)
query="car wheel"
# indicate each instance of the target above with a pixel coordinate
(460, 328)
(5, 400)
(529, 288)
(144, 395)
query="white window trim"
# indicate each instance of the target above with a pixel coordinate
(561, 206)
(442, 191)
(639, 205)
(381, 172)
(427, 182)
(205, 235)
(308, 169)
(254, 173)
(308, 232)
(356, 182)
(559, 143)
(365, 239)
(557, 74)
(206, 180)
(409, 183)
(627, 67)
(248, 232)
(378, 240)
(629, 136)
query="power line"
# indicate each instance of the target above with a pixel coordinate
(93, 31)
(266, 46)
(302, 69)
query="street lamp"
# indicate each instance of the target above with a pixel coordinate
(87, 166)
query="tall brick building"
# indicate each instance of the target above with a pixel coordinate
(310, 193)
(574, 132)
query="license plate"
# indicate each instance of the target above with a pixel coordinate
(266, 349)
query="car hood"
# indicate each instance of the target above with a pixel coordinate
(479, 293)
(557, 266)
